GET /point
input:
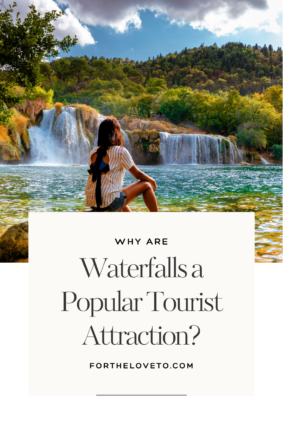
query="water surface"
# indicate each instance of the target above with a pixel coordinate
(198, 188)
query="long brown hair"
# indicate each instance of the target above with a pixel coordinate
(109, 134)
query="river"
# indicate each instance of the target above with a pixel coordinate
(198, 188)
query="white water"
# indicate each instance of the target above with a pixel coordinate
(59, 141)
(193, 149)
(19, 145)
(264, 161)
(62, 140)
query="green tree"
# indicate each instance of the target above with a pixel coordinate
(174, 104)
(265, 82)
(23, 46)
(273, 95)
(155, 85)
(221, 83)
(277, 151)
(250, 136)
(7, 96)
(62, 68)
(208, 84)
(133, 74)
(46, 70)
(144, 104)
(79, 68)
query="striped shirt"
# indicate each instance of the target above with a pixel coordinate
(111, 182)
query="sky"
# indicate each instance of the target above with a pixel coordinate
(145, 28)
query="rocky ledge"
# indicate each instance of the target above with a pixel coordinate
(14, 244)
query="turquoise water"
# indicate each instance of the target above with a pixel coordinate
(196, 188)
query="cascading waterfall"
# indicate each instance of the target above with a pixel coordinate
(20, 145)
(264, 161)
(62, 140)
(193, 149)
(59, 140)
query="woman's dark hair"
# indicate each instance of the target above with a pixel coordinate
(109, 134)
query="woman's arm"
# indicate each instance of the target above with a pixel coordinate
(139, 175)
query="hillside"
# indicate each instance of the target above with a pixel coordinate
(229, 90)
(233, 66)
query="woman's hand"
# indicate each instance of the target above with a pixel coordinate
(153, 183)
(139, 175)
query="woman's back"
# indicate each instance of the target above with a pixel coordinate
(119, 159)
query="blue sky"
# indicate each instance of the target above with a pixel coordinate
(158, 35)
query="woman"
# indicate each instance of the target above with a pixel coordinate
(108, 163)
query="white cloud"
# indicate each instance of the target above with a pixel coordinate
(68, 24)
(221, 17)
(220, 24)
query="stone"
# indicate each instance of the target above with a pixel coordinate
(14, 244)
(152, 148)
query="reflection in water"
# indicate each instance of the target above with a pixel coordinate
(199, 188)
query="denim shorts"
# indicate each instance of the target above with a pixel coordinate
(116, 205)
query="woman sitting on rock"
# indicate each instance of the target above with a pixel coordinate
(108, 163)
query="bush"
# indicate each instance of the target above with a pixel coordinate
(39, 92)
(249, 135)
(277, 151)
(144, 105)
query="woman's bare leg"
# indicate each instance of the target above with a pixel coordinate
(126, 209)
(142, 187)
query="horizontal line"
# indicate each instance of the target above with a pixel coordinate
(141, 395)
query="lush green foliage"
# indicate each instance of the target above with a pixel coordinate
(233, 90)
(227, 113)
(24, 45)
(249, 135)
(234, 66)
(7, 97)
(277, 151)
(219, 89)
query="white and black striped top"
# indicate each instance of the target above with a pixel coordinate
(111, 182)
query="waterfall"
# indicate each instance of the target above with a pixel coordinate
(59, 140)
(264, 161)
(19, 145)
(126, 140)
(195, 149)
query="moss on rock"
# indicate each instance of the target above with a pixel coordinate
(58, 108)
(145, 145)
(253, 157)
(8, 151)
(89, 117)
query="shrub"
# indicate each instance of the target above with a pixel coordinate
(277, 151)
(39, 92)
(58, 108)
(249, 135)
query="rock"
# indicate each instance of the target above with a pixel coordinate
(152, 148)
(14, 244)
(131, 124)
(244, 163)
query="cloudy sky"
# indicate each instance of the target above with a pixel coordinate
(141, 28)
